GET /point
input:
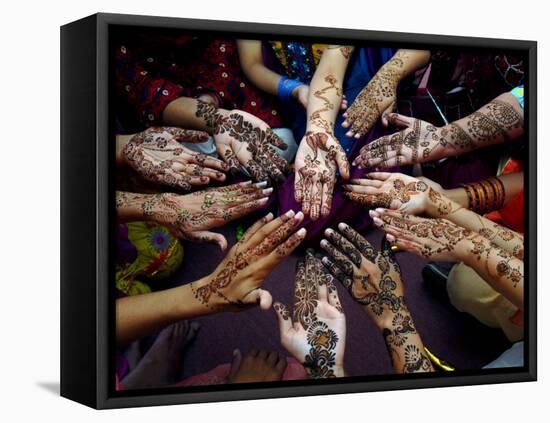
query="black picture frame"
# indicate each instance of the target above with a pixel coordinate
(87, 215)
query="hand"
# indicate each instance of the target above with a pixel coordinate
(434, 239)
(399, 192)
(193, 214)
(372, 277)
(158, 155)
(256, 366)
(301, 94)
(242, 138)
(316, 334)
(419, 142)
(236, 282)
(316, 160)
(376, 100)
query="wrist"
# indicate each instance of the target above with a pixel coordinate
(469, 249)
(387, 319)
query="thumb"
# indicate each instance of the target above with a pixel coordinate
(400, 121)
(385, 114)
(283, 317)
(188, 135)
(206, 236)
(259, 296)
(343, 164)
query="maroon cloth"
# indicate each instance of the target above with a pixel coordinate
(152, 70)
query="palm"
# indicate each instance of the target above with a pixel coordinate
(244, 139)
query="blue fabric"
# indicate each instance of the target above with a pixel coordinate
(518, 94)
(285, 88)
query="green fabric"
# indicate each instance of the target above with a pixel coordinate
(159, 254)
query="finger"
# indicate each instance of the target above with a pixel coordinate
(367, 188)
(243, 209)
(271, 168)
(231, 200)
(385, 114)
(345, 246)
(275, 140)
(316, 197)
(270, 243)
(342, 162)
(298, 188)
(341, 260)
(279, 161)
(272, 358)
(235, 364)
(333, 298)
(206, 236)
(401, 121)
(367, 124)
(187, 135)
(257, 171)
(283, 317)
(262, 355)
(360, 242)
(256, 226)
(322, 277)
(207, 161)
(228, 157)
(337, 272)
(305, 295)
(326, 200)
(378, 176)
(287, 247)
(259, 296)
(262, 233)
(281, 365)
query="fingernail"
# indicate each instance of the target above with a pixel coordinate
(380, 210)
(262, 184)
(390, 237)
(267, 191)
(301, 232)
(263, 200)
(377, 221)
(289, 213)
(342, 226)
(246, 183)
(299, 216)
(324, 243)
(268, 217)
(372, 213)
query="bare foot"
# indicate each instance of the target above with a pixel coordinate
(256, 366)
(162, 362)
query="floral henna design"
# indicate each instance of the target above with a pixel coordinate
(158, 156)
(416, 360)
(241, 129)
(321, 359)
(305, 294)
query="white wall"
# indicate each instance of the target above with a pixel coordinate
(29, 237)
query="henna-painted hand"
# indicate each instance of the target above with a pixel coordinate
(376, 100)
(193, 214)
(158, 155)
(244, 139)
(400, 192)
(372, 277)
(434, 239)
(418, 142)
(317, 158)
(236, 282)
(316, 333)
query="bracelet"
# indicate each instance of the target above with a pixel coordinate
(486, 195)
(285, 88)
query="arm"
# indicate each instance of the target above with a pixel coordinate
(235, 285)
(407, 194)
(499, 121)
(442, 240)
(373, 279)
(320, 152)
(250, 57)
(378, 98)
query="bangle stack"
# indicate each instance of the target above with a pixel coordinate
(285, 88)
(486, 195)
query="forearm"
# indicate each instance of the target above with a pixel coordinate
(404, 62)
(325, 93)
(404, 344)
(499, 121)
(142, 315)
(496, 266)
(250, 57)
